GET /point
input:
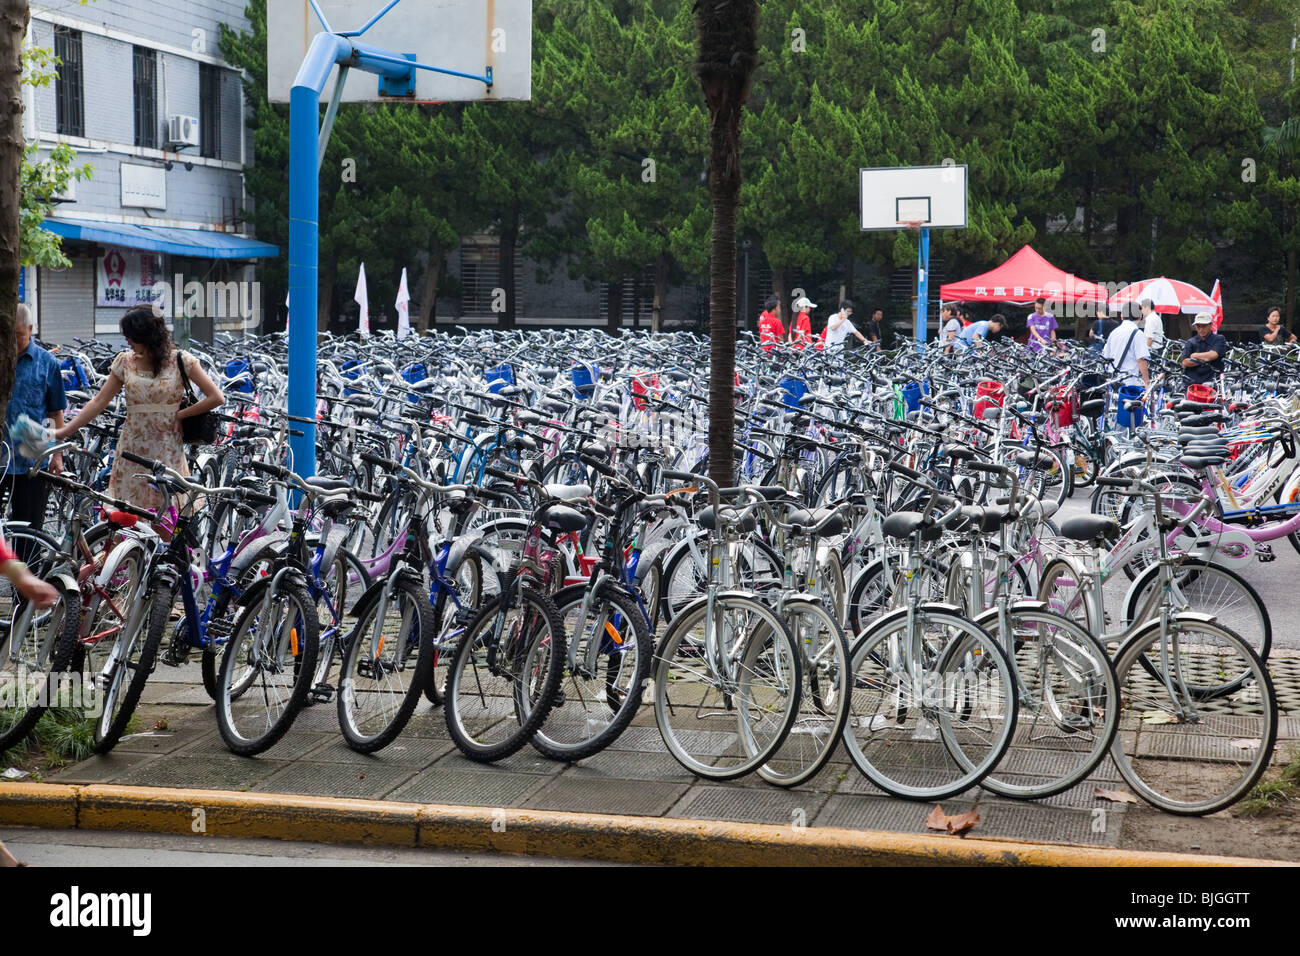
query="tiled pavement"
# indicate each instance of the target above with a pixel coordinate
(636, 776)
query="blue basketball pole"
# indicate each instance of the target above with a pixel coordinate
(922, 284)
(307, 143)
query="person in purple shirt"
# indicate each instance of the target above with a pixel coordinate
(1042, 326)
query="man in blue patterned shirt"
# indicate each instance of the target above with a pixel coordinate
(38, 394)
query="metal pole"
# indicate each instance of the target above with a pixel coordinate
(922, 284)
(304, 210)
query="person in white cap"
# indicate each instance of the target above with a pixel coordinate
(801, 327)
(1203, 351)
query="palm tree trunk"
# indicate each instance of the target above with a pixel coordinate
(728, 51)
(13, 28)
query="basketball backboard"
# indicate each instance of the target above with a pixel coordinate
(467, 36)
(933, 196)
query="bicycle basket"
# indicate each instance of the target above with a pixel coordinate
(415, 373)
(239, 367)
(499, 377)
(793, 389)
(584, 380)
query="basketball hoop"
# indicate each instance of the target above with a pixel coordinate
(913, 224)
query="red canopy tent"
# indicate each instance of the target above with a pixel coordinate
(1022, 279)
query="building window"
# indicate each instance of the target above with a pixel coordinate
(209, 110)
(145, 74)
(480, 270)
(70, 118)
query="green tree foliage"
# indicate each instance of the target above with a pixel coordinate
(44, 177)
(1112, 134)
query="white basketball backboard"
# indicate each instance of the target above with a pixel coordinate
(934, 196)
(463, 35)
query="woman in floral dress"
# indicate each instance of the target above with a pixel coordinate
(148, 373)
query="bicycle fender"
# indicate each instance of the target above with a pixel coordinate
(272, 545)
(67, 580)
(116, 556)
(460, 547)
(1196, 617)
(989, 615)
(928, 606)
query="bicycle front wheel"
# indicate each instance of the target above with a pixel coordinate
(267, 667)
(933, 709)
(385, 667)
(35, 655)
(1184, 750)
(1068, 709)
(131, 662)
(824, 698)
(505, 674)
(601, 692)
(721, 724)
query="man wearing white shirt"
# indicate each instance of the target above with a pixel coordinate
(1153, 326)
(840, 328)
(1126, 350)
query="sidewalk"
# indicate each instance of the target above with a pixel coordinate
(635, 777)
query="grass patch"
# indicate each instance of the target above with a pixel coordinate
(63, 735)
(1278, 790)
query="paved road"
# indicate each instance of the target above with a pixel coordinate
(95, 848)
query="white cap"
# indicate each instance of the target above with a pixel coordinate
(803, 302)
(1203, 318)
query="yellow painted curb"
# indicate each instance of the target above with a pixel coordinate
(549, 833)
(48, 805)
(229, 814)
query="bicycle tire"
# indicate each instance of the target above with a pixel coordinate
(735, 741)
(594, 709)
(1212, 589)
(246, 727)
(366, 674)
(48, 638)
(534, 655)
(145, 633)
(1069, 710)
(972, 676)
(1062, 588)
(823, 696)
(1200, 765)
(35, 548)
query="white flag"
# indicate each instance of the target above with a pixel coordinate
(403, 309)
(363, 299)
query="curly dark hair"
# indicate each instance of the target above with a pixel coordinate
(149, 329)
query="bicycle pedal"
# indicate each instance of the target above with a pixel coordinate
(1265, 553)
(320, 694)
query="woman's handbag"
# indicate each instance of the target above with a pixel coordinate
(196, 429)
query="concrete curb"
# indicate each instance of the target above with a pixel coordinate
(621, 839)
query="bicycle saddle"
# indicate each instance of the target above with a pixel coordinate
(561, 518)
(903, 524)
(959, 452)
(708, 520)
(328, 483)
(804, 519)
(567, 492)
(1092, 407)
(1197, 461)
(1029, 459)
(1095, 528)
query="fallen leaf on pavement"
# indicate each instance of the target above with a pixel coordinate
(1246, 743)
(1158, 717)
(957, 823)
(1114, 796)
(160, 725)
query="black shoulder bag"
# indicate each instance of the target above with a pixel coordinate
(196, 429)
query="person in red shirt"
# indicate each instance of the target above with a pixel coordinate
(771, 331)
(801, 333)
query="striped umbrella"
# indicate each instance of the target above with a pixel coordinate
(1167, 295)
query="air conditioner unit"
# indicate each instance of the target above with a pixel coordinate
(182, 130)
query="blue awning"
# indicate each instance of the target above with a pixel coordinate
(200, 243)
